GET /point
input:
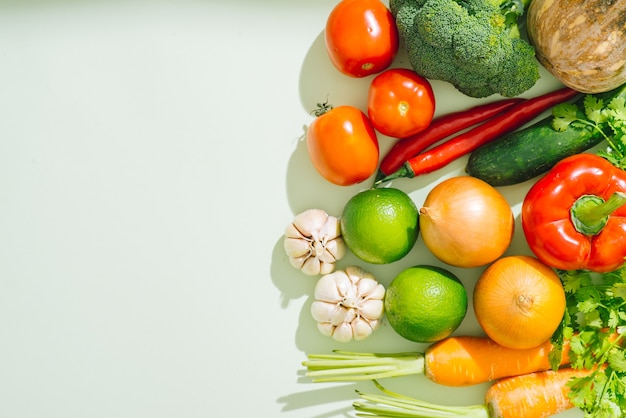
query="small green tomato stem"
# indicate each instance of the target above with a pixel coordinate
(322, 108)
(344, 366)
(591, 213)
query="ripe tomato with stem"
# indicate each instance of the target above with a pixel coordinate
(400, 102)
(342, 144)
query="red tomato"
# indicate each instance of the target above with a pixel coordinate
(400, 103)
(361, 37)
(343, 146)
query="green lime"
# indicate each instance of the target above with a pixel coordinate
(425, 303)
(380, 226)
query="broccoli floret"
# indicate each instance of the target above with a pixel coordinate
(476, 45)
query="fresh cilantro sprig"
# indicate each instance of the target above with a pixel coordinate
(595, 326)
(608, 119)
(594, 323)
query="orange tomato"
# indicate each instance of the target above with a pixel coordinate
(361, 37)
(343, 145)
(400, 103)
(519, 302)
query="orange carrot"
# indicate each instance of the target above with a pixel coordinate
(533, 395)
(536, 395)
(462, 361)
(454, 361)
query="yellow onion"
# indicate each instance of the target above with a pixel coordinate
(466, 222)
(519, 302)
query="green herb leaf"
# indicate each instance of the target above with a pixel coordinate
(616, 110)
(614, 319)
(594, 107)
(595, 324)
(618, 290)
(607, 119)
(617, 360)
(574, 280)
(595, 317)
(555, 355)
(564, 115)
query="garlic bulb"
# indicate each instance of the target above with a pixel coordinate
(313, 242)
(348, 304)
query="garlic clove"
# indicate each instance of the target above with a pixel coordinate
(297, 262)
(334, 250)
(372, 309)
(313, 242)
(326, 328)
(367, 286)
(346, 288)
(310, 222)
(331, 228)
(342, 316)
(361, 329)
(327, 289)
(311, 266)
(343, 332)
(377, 293)
(357, 274)
(325, 268)
(295, 246)
(323, 311)
(292, 232)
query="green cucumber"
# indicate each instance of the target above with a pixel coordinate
(531, 151)
(528, 152)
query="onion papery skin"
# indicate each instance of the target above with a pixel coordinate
(519, 302)
(466, 222)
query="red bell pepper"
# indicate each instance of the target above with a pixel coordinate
(574, 218)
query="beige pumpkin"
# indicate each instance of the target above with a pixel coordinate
(581, 42)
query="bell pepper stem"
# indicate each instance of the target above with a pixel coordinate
(591, 213)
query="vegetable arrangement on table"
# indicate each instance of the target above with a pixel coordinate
(554, 322)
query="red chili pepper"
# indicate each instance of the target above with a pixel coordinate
(466, 142)
(440, 128)
(575, 216)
